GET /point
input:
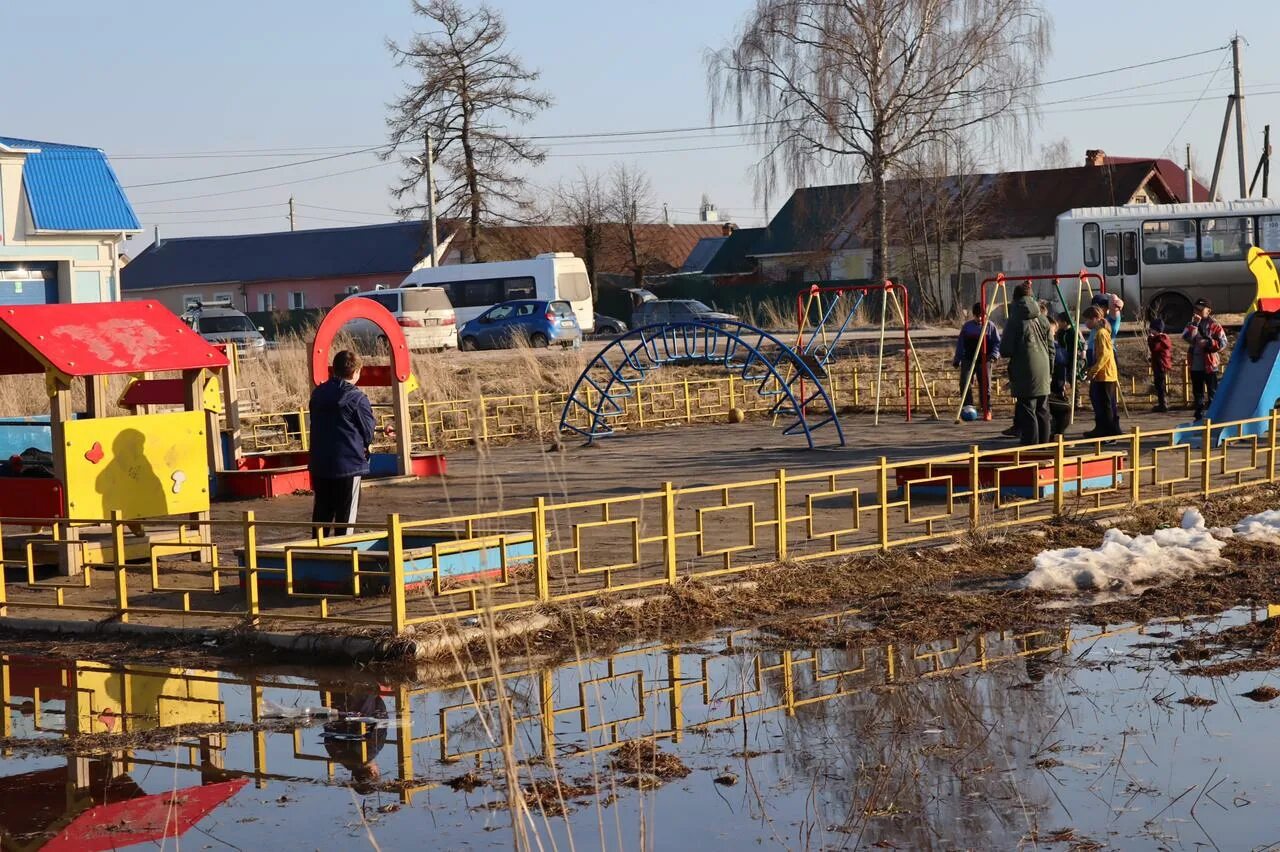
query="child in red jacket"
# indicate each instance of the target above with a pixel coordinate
(1161, 362)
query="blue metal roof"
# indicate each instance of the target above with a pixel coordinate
(318, 253)
(72, 188)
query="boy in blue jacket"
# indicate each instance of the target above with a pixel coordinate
(342, 428)
(967, 344)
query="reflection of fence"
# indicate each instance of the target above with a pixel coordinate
(589, 706)
(460, 422)
(603, 547)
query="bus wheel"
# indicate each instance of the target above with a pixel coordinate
(1174, 308)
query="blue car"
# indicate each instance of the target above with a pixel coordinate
(537, 322)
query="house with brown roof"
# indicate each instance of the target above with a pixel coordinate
(950, 231)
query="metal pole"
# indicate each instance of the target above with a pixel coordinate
(1262, 161)
(1239, 104)
(1191, 182)
(1222, 148)
(291, 220)
(1266, 161)
(431, 196)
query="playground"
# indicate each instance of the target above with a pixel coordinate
(595, 516)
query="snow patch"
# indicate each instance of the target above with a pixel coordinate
(1123, 562)
(1262, 528)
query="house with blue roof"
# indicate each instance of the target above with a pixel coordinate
(63, 215)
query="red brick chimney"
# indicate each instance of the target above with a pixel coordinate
(728, 228)
(1095, 157)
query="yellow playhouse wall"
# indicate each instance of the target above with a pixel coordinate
(145, 466)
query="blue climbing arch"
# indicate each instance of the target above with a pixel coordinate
(766, 365)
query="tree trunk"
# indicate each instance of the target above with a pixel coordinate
(473, 185)
(880, 218)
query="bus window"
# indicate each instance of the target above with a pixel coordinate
(1111, 254)
(1169, 241)
(476, 294)
(1129, 252)
(1269, 233)
(573, 286)
(1092, 244)
(519, 288)
(1225, 239)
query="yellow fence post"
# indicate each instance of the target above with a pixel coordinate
(731, 381)
(882, 484)
(122, 581)
(669, 530)
(780, 501)
(4, 585)
(1206, 484)
(1271, 447)
(484, 420)
(537, 414)
(688, 404)
(540, 561)
(1059, 466)
(303, 437)
(1135, 463)
(426, 423)
(975, 487)
(251, 566)
(395, 556)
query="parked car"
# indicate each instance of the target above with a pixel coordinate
(224, 324)
(424, 314)
(609, 325)
(537, 321)
(676, 310)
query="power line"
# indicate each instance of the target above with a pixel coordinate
(1195, 105)
(344, 210)
(251, 171)
(271, 185)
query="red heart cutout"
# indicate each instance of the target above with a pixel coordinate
(95, 453)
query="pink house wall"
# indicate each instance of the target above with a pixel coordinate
(319, 292)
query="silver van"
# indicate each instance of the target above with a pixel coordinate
(221, 324)
(425, 315)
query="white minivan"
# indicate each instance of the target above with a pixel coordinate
(473, 288)
(424, 314)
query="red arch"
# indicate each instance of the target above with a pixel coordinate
(343, 313)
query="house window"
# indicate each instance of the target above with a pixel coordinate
(353, 289)
(192, 301)
(990, 265)
(1040, 262)
(266, 302)
(297, 301)
(222, 298)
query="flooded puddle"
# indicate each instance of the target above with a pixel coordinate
(1081, 738)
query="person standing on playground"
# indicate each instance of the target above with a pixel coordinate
(1104, 379)
(966, 357)
(342, 428)
(1028, 345)
(1206, 338)
(1161, 351)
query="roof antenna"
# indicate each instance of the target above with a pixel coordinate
(157, 237)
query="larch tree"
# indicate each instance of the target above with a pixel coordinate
(829, 84)
(468, 91)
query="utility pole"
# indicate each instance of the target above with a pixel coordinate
(1264, 164)
(431, 195)
(291, 213)
(1240, 131)
(1235, 103)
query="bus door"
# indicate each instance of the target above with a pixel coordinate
(1120, 265)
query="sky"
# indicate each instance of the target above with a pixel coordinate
(178, 93)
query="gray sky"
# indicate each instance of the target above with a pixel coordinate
(171, 89)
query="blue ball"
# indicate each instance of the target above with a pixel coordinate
(968, 414)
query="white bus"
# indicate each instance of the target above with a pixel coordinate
(1162, 257)
(473, 288)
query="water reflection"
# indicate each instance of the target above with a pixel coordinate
(974, 741)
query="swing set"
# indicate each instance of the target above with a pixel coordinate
(978, 367)
(839, 304)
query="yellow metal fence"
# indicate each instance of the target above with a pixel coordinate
(461, 422)
(543, 552)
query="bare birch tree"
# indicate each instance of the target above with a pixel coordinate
(829, 83)
(1057, 155)
(469, 90)
(584, 204)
